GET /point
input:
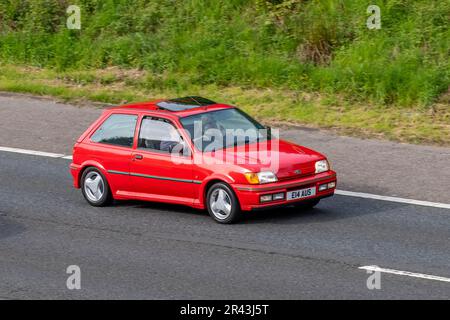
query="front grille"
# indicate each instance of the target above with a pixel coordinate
(306, 186)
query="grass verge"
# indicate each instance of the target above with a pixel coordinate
(419, 125)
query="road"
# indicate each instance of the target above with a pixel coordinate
(137, 250)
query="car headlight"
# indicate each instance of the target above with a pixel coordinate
(261, 177)
(322, 166)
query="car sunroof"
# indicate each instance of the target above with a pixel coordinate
(186, 103)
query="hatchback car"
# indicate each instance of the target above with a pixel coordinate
(195, 152)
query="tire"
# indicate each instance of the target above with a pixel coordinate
(309, 204)
(222, 204)
(95, 188)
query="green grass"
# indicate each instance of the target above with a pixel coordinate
(277, 106)
(317, 45)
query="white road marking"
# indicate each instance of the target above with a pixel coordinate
(338, 192)
(32, 152)
(393, 199)
(405, 273)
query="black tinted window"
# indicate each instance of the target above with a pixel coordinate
(232, 124)
(118, 130)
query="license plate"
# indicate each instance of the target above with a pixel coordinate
(300, 194)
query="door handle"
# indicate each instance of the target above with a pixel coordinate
(138, 157)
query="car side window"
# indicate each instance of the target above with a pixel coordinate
(160, 135)
(117, 130)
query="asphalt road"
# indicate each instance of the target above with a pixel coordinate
(137, 250)
(149, 251)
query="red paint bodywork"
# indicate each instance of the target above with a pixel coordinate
(121, 159)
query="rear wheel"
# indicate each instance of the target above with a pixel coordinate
(95, 188)
(222, 203)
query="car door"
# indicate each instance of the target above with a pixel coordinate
(160, 169)
(112, 147)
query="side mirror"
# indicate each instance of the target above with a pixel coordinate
(182, 149)
(185, 151)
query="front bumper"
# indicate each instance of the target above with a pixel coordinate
(249, 195)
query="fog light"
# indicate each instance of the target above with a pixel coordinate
(323, 187)
(278, 196)
(332, 185)
(266, 198)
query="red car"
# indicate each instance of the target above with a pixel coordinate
(195, 152)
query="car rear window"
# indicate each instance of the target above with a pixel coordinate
(117, 130)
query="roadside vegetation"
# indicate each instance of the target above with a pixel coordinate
(310, 62)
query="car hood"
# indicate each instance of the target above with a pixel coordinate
(284, 158)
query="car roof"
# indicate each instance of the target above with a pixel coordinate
(179, 107)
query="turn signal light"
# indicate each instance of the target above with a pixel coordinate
(252, 178)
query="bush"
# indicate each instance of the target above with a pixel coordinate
(299, 44)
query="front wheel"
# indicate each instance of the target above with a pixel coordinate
(222, 203)
(95, 188)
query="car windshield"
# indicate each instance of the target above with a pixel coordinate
(225, 128)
